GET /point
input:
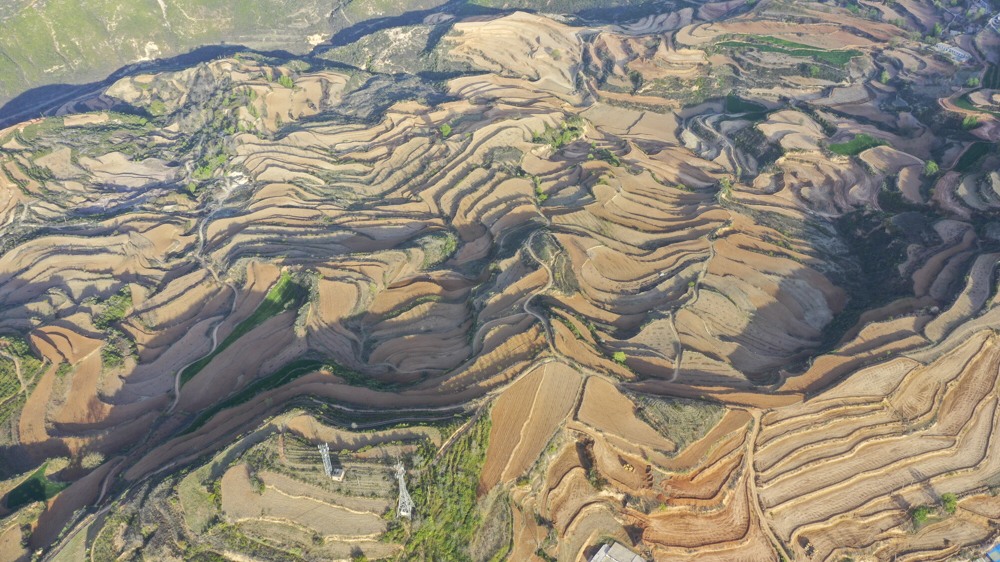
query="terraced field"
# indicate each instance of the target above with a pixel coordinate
(716, 283)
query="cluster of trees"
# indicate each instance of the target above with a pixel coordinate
(921, 514)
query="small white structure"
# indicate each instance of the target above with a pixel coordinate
(615, 552)
(335, 473)
(994, 23)
(405, 501)
(958, 55)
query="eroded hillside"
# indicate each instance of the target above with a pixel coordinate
(716, 284)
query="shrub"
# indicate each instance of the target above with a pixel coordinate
(950, 502)
(92, 460)
(620, 357)
(596, 480)
(114, 309)
(445, 130)
(884, 78)
(567, 132)
(931, 168)
(157, 107)
(921, 513)
(970, 122)
(286, 81)
(972, 82)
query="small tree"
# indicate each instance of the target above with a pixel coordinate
(884, 78)
(445, 130)
(931, 168)
(286, 81)
(972, 82)
(92, 460)
(970, 122)
(620, 357)
(936, 32)
(950, 502)
(921, 513)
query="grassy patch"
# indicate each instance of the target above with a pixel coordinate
(856, 145)
(35, 489)
(114, 310)
(445, 496)
(557, 137)
(972, 155)
(774, 45)
(991, 78)
(736, 105)
(199, 509)
(681, 420)
(30, 365)
(283, 296)
(355, 378)
(286, 374)
(964, 103)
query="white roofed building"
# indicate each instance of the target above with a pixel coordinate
(615, 552)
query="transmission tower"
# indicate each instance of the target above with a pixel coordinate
(405, 501)
(324, 450)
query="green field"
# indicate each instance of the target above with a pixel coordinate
(35, 488)
(774, 45)
(284, 295)
(72, 41)
(286, 374)
(10, 386)
(736, 105)
(446, 495)
(991, 78)
(972, 155)
(856, 145)
(963, 102)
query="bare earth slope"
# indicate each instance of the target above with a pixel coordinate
(704, 283)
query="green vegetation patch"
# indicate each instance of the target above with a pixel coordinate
(774, 45)
(991, 78)
(949, 502)
(445, 496)
(285, 375)
(31, 370)
(114, 310)
(972, 155)
(36, 488)
(964, 103)
(557, 137)
(284, 295)
(736, 105)
(856, 145)
(355, 378)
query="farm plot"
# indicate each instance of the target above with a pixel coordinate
(240, 501)
(909, 431)
(524, 419)
(607, 410)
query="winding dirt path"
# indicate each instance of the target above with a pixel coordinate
(548, 285)
(201, 259)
